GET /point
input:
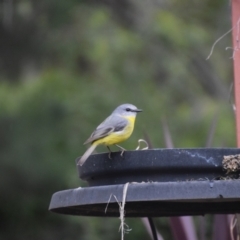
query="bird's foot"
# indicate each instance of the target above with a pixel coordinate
(123, 150)
(109, 154)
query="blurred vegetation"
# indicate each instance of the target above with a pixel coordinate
(65, 65)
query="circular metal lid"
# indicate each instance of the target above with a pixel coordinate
(162, 182)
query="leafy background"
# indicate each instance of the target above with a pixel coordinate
(65, 65)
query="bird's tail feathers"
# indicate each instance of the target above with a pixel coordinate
(86, 154)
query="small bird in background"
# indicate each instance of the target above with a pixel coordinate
(115, 129)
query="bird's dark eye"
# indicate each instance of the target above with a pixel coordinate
(128, 109)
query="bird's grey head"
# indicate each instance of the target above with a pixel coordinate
(127, 110)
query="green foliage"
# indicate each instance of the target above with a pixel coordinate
(92, 62)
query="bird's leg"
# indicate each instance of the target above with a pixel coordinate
(109, 154)
(123, 149)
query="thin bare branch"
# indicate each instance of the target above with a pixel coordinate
(219, 39)
(146, 136)
(148, 228)
(167, 134)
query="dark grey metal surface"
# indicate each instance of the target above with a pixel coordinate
(171, 182)
(152, 199)
(161, 165)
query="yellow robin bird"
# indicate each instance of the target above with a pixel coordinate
(115, 129)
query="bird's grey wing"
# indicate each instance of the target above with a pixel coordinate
(111, 124)
(116, 121)
(99, 133)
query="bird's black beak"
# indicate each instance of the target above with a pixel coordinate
(137, 110)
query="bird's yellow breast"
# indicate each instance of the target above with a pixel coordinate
(117, 137)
